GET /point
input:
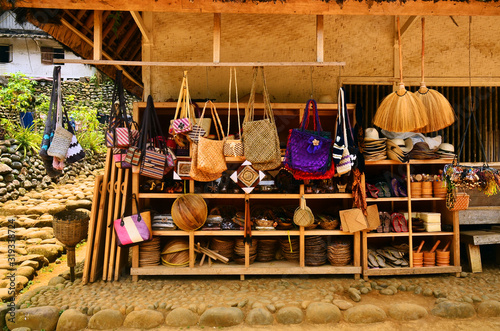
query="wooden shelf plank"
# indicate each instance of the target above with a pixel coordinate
(412, 271)
(405, 199)
(169, 233)
(412, 161)
(328, 196)
(159, 195)
(421, 234)
(428, 199)
(390, 234)
(322, 232)
(257, 268)
(255, 196)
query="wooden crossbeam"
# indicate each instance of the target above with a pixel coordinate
(204, 64)
(91, 43)
(217, 33)
(140, 24)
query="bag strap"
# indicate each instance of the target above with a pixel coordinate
(305, 119)
(216, 119)
(237, 101)
(52, 113)
(59, 101)
(139, 218)
(473, 117)
(341, 106)
(249, 111)
(267, 99)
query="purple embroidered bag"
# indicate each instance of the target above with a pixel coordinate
(308, 151)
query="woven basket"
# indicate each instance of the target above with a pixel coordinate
(439, 190)
(70, 227)
(60, 143)
(416, 189)
(461, 203)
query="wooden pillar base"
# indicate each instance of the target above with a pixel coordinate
(474, 255)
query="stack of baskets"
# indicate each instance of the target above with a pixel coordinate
(439, 189)
(223, 246)
(267, 250)
(239, 251)
(426, 189)
(149, 253)
(290, 248)
(176, 253)
(340, 252)
(315, 252)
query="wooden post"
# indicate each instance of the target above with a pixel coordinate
(147, 49)
(320, 51)
(97, 34)
(192, 257)
(356, 252)
(302, 247)
(217, 32)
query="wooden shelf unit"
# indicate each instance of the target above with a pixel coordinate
(257, 268)
(413, 238)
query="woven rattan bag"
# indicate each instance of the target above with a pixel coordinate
(457, 201)
(210, 152)
(260, 138)
(195, 173)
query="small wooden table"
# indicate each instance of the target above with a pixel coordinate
(473, 239)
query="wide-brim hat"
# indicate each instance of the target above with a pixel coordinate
(371, 134)
(446, 148)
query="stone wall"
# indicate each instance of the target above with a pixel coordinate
(19, 174)
(78, 93)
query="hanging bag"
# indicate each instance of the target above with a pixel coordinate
(62, 138)
(308, 151)
(196, 151)
(75, 151)
(50, 123)
(344, 164)
(233, 147)
(133, 229)
(211, 152)
(260, 137)
(118, 132)
(181, 122)
(156, 156)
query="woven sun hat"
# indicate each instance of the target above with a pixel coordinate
(371, 134)
(447, 148)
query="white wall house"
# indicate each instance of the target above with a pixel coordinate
(29, 50)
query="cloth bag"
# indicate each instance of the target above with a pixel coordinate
(344, 163)
(233, 147)
(155, 152)
(62, 138)
(260, 137)
(210, 152)
(308, 151)
(133, 229)
(50, 122)
(118, 132)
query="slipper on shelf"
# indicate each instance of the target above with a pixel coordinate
(384, 189)
(399, 222)
(372, 190)
(385, 220)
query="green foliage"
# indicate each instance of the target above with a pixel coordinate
(27, 287)
(91, 133)
(28, 139)
(19, 94)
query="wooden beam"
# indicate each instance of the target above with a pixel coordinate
(204, 64)
(217, 32)
(78, 19)
(98, 35)
(126, 38)
(295, 7)
(409, 22)
(88, 41)
(320, 51)
(140, 24)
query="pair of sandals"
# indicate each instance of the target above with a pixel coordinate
(395, 222)
(387, 257)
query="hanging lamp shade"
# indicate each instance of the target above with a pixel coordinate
(401, 111)
(439, 110)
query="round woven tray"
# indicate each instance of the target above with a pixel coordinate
(222, 245)
(267, 250)
(315, 251)
(339, 252)
(176, 253)
(290, 248)
(149, 253)
(239, 248)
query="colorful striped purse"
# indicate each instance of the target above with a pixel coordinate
(133, 229)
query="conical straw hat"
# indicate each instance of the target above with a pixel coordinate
(439, 109)
(401, 111)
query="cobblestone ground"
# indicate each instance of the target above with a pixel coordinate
(428, 302)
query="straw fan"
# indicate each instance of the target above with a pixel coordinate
(401, 111)
(439, 109)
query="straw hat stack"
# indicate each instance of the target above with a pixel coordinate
(375, 147)
(446, 151)
(422, 151)
(399, 149)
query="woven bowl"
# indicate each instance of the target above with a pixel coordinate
(264, 222)
(189, 212)
(329, 225)
(176, 253)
